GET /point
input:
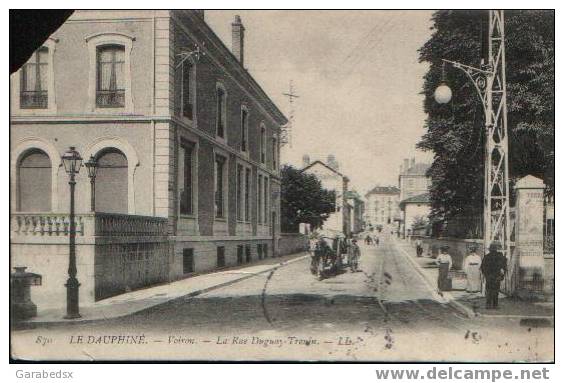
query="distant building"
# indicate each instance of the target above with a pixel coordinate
(356, 206)
(413, 179)
(382, 206)
(332, 179)
(414, 193)
(414, 208)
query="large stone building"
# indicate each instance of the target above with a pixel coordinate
(332, 179)
(186, 145)
(382, 206)
(414, 194)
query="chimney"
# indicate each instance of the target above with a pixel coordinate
(413, 162)
(305, 160)
(238, 39)
(332, 162)
(405, 165)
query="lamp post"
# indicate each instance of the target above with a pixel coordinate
(72, 163)
(489, 82)
(92, 166)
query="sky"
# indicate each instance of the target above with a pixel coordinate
(358, 80)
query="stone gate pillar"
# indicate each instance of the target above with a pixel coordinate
(529, 263)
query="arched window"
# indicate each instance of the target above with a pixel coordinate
(109, 74)
(110, 79)
(34, 182)
(111, 182)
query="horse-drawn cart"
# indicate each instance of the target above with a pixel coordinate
(328, 255)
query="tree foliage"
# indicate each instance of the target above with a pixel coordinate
(303, 199)
(455, 130)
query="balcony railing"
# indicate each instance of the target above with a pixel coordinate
(129, 225)
(92, 224)
(33, 99)
(110, 98)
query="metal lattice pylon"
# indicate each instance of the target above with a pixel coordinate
(489, 81)
(496, 186)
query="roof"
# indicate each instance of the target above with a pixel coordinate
(383, 190)
(323, 164)
(417, 169)
(420, 198)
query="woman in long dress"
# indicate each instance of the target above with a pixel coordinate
(444, 261)
(472, 268)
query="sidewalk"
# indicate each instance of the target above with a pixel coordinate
(138, 300)
(473, 304)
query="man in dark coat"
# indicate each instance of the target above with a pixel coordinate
(494, 268)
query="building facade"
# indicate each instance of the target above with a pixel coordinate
(414, 187)
(413, 179)
(415, 210)
(382, 206)
(332, 179)
(356, 206)
(186, 145)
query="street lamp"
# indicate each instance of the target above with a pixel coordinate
(92, 166)
(72, 163)
(443, 94)
(489, 82)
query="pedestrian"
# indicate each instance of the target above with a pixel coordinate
(444, 260)
(377, 241)
(494, 268)
(354, 256)
(419, 247)
(472, 264)
(313, 252)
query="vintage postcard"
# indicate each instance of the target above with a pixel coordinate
(282, 185)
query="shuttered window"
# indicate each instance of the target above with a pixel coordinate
(247, 195)
(187, 90)
(111, 182)
(220, 113)
(185, 177)
(34, 182)
(219, 187)
(244, 129)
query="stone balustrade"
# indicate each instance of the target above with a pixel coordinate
(45, 224)
(37, 225)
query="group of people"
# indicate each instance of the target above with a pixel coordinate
(319, 244)
(369, 240)
(492, 267)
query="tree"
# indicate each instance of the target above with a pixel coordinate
(303, 199)
(455, 130)
(419, 221)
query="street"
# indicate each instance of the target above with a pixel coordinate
(385, 311)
